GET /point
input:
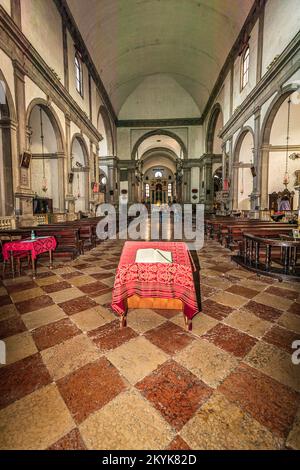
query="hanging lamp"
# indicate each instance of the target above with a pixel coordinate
(44, 180)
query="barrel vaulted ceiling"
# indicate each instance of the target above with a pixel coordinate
(187, 40)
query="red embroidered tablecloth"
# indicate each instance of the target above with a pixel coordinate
(163, 280)
(36, 246)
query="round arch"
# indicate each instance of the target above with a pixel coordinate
(107, 127)
(265, 140)
(77, 136)
(159, 132)
(211, 127)
(242, 175)
(51, 114)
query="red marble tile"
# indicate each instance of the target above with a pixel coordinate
(71, 441)
(178, 444)
(44, 274)
(100, 276)
(111, 336)
(175, 392)
(263, 311)
(206, 291)
(11, 326)
(71, 275)
(285, 293)
(77, 305)
(295, 308)
(34, 304)
(243, 291)
(230, 339)
(88, 389)
(215, 310)
(110, 266)
(272, 404)
(169, 337)
(93, 295)
(281, 337)
(81, 266)
(21, 378)
(57, 286)
(5, 300)
(54, 333)
(93, 288)
(21, 286)
(166, 312)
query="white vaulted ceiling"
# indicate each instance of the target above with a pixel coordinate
(186, 40)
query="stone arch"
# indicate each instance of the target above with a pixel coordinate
(9, 162)
(266, 129)
(107, 127)
(159, 132)
(54, 119)
(242, 176)
(215, 112)
(80, 168)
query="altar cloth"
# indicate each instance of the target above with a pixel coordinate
(156, 280)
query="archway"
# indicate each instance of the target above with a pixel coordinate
(160, 136)
(47, 164)
(215, 124)
(106, 145)
(80, 168)
(242, 177)
(280, 141)
(7, 116)
(159, 184)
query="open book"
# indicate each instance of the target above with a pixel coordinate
(151, 255)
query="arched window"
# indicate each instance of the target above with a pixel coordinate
(78, 74)
(158, 174)
(147, 190)
(245, 68)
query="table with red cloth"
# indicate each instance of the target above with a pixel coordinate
(156, 280)
(34, 246)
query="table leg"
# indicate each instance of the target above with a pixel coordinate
(51, 259)
(123, 320)
(33, 267)
(12, 264)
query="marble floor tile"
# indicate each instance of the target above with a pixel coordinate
(178, 444)
(248, 323)
(110, 335)
(19, 346)
(36, 303)
(215, 310)
(175, 392)
(115, 427)
(70, 355)
(78, 304)
(167, 313)
(71, 441)
(243, 291)
(208, 362)
(89, 388)
(137, 358)
(11, 326)
(263, 311)
(65, 295)
(92, 318)
(228, 299)
(21, 378)
(290, 321)
(49, 335)
(26, 294)
(280, 303)
(271, 404)
(142, 320)
(230, 339)
(276, 363)
(201, 323)
(221, 425)
(169, 337)
(47, 280)
(35, 421)
(43, 317)
(8, 311)
(293, 440)
(285, 293)
(56, 287)
(281, 337)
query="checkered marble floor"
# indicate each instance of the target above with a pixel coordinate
(74, 380)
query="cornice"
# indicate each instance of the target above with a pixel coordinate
(69, 21)
(27, 61)
(159, 122)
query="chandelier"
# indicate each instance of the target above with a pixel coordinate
(44, 180)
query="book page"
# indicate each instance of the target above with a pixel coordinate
(151, 255)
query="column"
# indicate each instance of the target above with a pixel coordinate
(256, 191)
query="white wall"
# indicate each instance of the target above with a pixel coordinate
(281, 24)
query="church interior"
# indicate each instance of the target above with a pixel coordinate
(190, 109)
